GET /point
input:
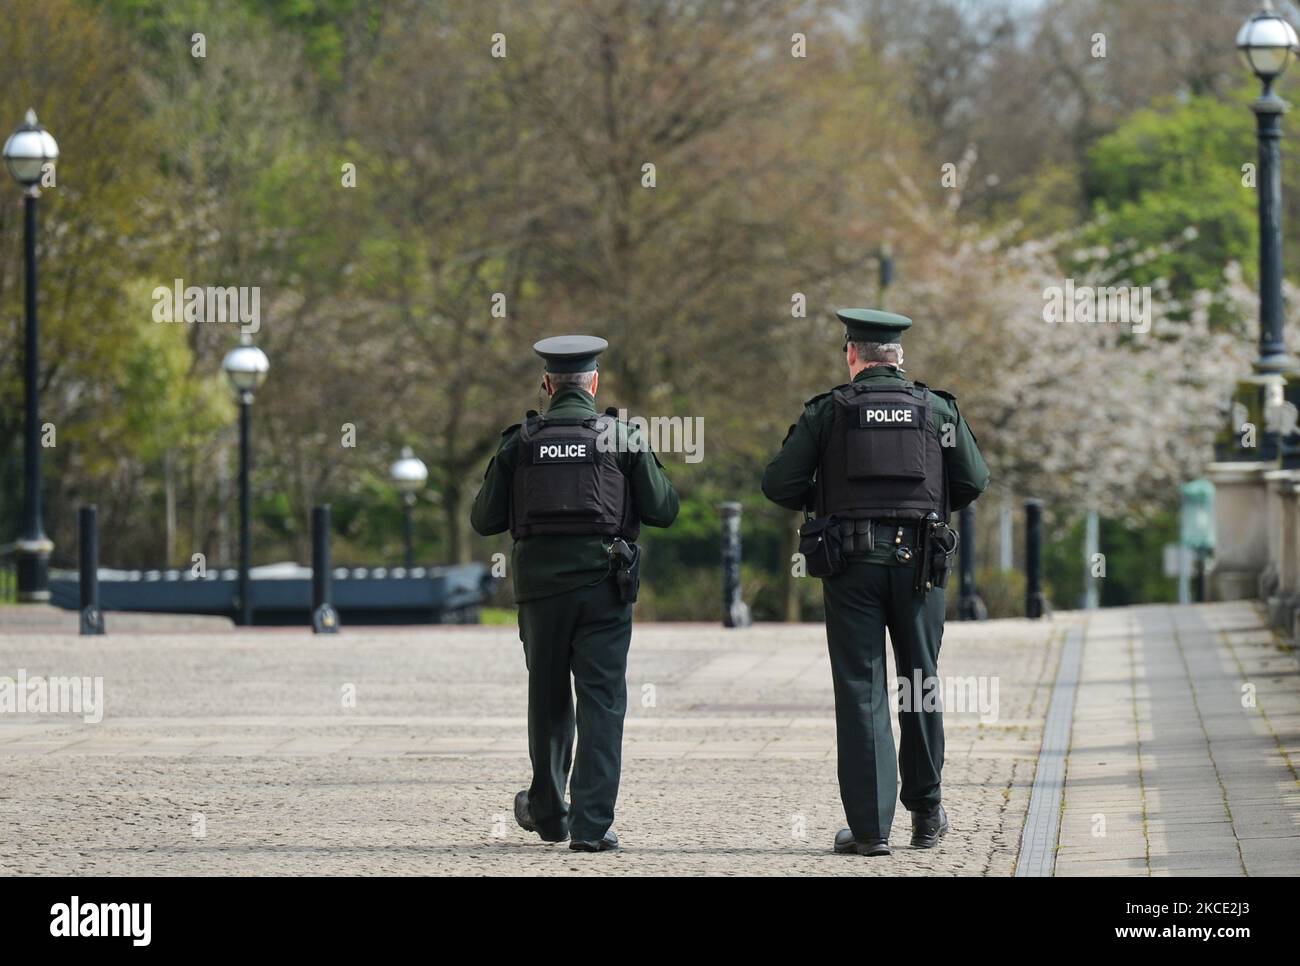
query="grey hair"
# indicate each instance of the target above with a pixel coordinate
(567, 380)
(890, 353)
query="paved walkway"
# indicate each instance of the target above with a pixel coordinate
(1185, 747)
(399, 751)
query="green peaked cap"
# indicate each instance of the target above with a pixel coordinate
(570, 353)
(873, 325)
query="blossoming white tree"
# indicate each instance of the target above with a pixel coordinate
(1104, 414)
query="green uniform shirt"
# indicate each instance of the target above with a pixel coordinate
(788, 479)
(546, 565)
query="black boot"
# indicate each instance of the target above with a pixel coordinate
(606, 844)
(929, 827)
(524, 816)
(845, 844)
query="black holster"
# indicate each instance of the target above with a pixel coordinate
(943, 542)
(626, 561)
(821, 545)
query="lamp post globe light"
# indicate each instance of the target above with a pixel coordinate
(409, 476)
(1266, 43)
(29, 149)
(29, 152)
(246, 366)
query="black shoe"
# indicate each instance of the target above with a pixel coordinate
(524, 816)
(846, 844)
(929, 827)
(607, 844)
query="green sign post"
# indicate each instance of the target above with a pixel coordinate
(1196, 535)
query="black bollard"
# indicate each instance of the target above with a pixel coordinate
(734, 611)
(408, 529)
(1035, 603)
(92, 618)
(969, 607)
(244, 604)
(324, 618)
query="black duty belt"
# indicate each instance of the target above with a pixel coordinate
(860, 536)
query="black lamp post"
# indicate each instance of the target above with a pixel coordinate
(409, 475)
(29, 153)
(246, 366)
(1266, 43)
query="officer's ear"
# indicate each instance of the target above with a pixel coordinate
(851, 353)
(595, 381)
(546, 385)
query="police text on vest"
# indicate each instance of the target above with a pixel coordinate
(562, 451)
(886, 416)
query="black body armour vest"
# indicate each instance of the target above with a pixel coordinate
(565, 484)
(883, 461)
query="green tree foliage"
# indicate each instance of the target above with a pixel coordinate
(1167, 186)
(1134, 561)
(381, 178)
(96, 235)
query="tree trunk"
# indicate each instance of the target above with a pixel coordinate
(453, 505)
(169, 484)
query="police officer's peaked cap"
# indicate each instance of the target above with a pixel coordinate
(570, 353)
(872, 325)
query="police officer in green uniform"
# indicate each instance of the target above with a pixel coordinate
(883, 461)
(573, 487)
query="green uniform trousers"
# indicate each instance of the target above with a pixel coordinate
(584, 633)
(861, 603)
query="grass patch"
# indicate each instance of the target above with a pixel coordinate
(498, 615)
